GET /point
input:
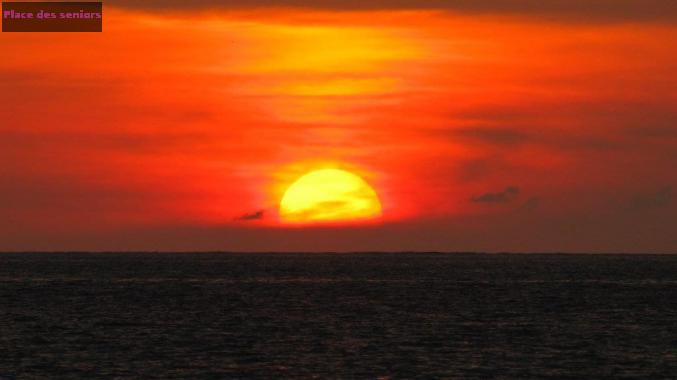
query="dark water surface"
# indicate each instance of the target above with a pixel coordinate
(268, 316)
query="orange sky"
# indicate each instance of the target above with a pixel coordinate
(479, 131)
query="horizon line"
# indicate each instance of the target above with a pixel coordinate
(553, 253)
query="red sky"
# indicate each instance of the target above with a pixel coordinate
(500, 128)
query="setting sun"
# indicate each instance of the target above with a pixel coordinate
(329, 195)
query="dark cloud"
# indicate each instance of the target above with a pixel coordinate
(504, 196)
(128, 141)
(511, 137)
(477, 169)
(657, 199)
(660, 132)
(531, 204)
(257, 215)
(610, 124)
(580, 10)
(499, 136)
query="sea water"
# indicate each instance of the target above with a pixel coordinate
(337, 316)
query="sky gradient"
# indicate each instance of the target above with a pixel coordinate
(507, 126)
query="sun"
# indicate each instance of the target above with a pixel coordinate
(329, 195)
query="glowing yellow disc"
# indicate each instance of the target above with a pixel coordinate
(329, 195)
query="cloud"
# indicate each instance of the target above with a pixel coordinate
(657, 199)
(581, 10)
(123, 141)
(257, 215)
(504, 196)
(535, 135)
(612, 124)
(498, 136)
(531, 204)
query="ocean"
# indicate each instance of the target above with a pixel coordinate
(337, 316)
